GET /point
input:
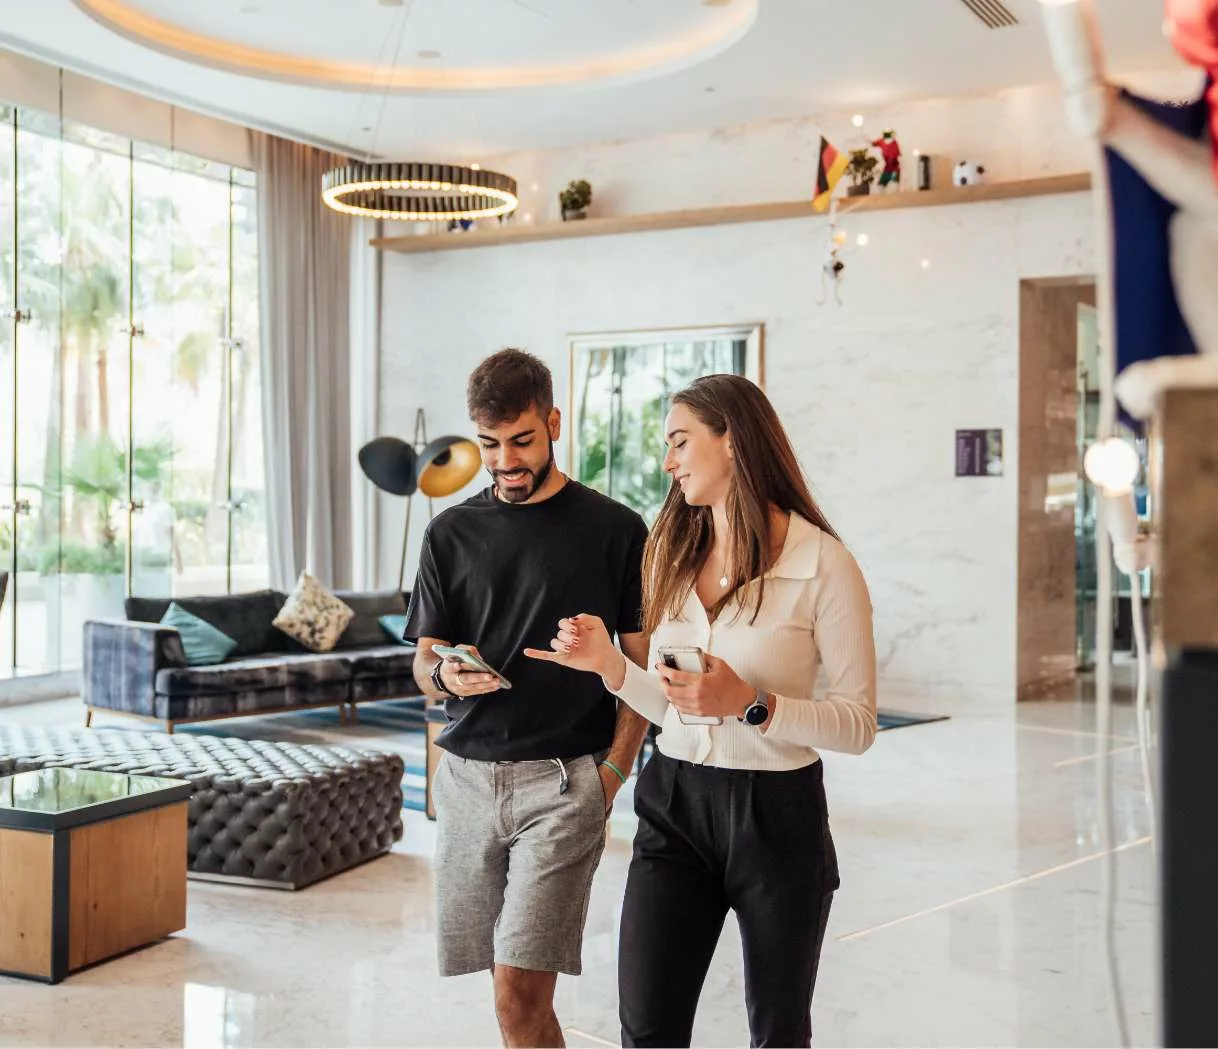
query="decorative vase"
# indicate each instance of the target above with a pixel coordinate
(863, 190)
(572, 216)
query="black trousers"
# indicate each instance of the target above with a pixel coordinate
(710, 840)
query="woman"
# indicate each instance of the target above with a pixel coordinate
(732, 814)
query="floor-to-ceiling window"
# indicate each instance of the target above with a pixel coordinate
(130, 429)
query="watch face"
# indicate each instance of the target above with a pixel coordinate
(756, 714)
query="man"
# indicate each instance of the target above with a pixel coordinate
(530, 772)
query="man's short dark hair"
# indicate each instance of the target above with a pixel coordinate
(506, 385)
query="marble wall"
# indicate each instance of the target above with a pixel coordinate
(925, 341)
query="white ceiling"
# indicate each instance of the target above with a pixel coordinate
(651, 66)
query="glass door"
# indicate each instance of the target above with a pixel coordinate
(1086, 574)
(39, 388)
(130, 402)
(247, 547)
(9, 511)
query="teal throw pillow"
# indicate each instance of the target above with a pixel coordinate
(202, 642)
(394, 626)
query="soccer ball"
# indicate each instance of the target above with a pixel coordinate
(966, 173)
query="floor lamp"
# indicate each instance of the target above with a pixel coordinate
(436, 468)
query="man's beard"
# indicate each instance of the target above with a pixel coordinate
(525, 492)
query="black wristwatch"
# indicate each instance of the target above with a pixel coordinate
(757, 711)
(438, 681)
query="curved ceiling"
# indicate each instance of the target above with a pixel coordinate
(426, 47)
(800, 58)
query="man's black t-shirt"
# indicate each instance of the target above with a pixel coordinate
(500, 576)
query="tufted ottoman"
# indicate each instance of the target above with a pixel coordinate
(274, 814)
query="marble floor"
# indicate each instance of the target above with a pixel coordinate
(968, 916)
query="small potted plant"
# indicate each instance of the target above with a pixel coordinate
(575, 199)
(861, 170)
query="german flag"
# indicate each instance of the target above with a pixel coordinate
(829, 169)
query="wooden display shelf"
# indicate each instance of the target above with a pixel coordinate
(691, 219)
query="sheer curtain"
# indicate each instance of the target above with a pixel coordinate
(305, 256)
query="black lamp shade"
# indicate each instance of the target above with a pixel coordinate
(390, 464)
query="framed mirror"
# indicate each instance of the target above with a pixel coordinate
(620, 388)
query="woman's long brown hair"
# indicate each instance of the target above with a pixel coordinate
(765, 474)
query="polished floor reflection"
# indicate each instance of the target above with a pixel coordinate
(968, 916)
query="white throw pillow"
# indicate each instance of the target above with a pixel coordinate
(313, 616)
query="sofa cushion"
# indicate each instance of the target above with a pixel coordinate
(313, 616)
(368, 606)
(246, 618)
(241, 703)
(382, 661)
(256, 674)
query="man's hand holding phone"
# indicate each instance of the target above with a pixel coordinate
(465, 673)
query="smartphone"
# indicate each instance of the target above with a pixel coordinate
(688, 658)
(472, 661)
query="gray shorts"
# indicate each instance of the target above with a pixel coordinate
(514, 862)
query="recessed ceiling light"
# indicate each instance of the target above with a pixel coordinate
(475, 167)
(429, 55)
(863, 239)
(926, 264)
(857, 120)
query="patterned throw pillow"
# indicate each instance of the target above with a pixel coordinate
(313, 616)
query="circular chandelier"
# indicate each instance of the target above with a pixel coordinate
(414, 192)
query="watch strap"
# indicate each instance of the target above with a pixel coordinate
(761, 699)
(438, 680)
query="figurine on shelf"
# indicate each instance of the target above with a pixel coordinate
(890, 150)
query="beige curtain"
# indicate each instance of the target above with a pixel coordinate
(305, 271)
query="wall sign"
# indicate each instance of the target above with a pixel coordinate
(978, 453)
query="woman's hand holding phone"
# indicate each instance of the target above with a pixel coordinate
(718, 692)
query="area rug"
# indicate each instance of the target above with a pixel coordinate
(395, 725)
(887, 719)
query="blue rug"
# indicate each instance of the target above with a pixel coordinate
(887, 719)
(395, 725)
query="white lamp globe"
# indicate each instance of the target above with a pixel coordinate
(1112, 464)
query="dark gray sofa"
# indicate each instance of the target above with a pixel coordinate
(136, 666)
(273, 814)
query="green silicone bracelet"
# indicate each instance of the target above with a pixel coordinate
(615, 770)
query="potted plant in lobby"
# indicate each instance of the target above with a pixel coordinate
(861, 169)
(575, 199)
